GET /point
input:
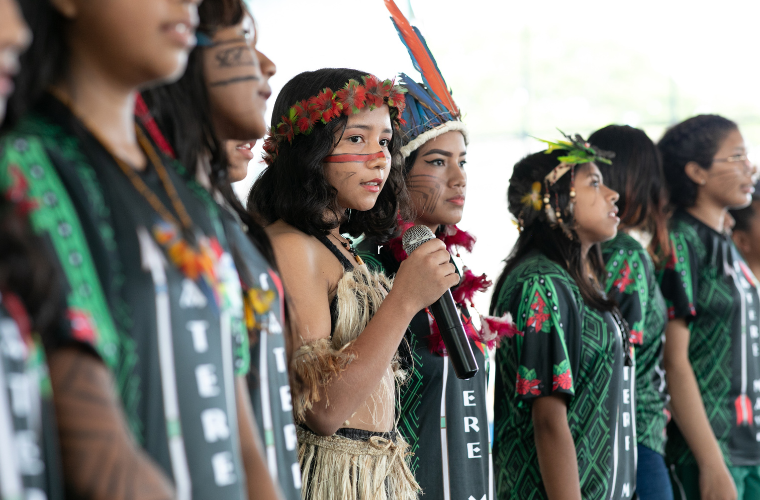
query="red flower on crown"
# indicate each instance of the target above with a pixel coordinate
(306, 115)
(326, 104)
(375, 97)
(285, 129)
(352, 96)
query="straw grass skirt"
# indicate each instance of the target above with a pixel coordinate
(355, 465)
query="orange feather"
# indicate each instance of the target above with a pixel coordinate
(424, 63)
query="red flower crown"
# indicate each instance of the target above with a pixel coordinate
(328, 105)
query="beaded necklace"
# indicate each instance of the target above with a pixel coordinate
(349, 245)
(194, 261)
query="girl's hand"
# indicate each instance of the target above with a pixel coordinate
(425, 275)
(716, 483)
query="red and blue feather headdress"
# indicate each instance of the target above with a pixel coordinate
(430, 108)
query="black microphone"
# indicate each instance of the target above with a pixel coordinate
(446, 314)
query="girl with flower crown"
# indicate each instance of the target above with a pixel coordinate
(330, 172)
(444, 418)
(147, 399)
(564, 422)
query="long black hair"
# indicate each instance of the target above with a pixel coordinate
(539, 234)
(182, 111)
(636, 173)
(696, 139)
(44, 63)
(294, 188)
(27, 272)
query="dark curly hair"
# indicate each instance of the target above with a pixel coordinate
(190, 130)
(696, 139)
(636, 174)
(539, 234)
(294, 188)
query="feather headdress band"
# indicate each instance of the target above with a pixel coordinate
(430, 108)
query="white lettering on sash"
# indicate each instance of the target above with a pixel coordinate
(626, 489)
(626, 419)
(295, 469)
(751, 315)
(28, 452)
(485, 497)
(471, 423)
(207, 380)
(21, 395)
(757, 404)
(273, 325)
(468, 398)
(264, 281)
(626, 372)
(285, 399)
(473, 449)
(13, 346)
(627, 443)
(757, 420)
(224, 468)
(215, 425)
(755, 350)
(291, 437)
(626, 396)
(198, 331)
(279, 358)
(756, 385)
(757, 437)
(753, 331)
(191, 296)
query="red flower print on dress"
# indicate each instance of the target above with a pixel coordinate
(562, 378)
(17, 192)
(637, 337)
(527, 382)
(673, 258)
(625, 278)
(537, 314)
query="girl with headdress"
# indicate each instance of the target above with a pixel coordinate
(711, 347)
(227, 79)
(330, 172)
(636, 173)
(564, 424)
(147, 400)
(443, 418)
(29, 314)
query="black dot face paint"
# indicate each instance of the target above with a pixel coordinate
(360, 158)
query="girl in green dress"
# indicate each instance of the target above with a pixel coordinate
(712, 356)
(564, 423)
(636, 171)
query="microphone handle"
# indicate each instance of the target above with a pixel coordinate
(454, 337)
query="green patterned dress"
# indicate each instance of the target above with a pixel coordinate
(564, 347)
(708, 283)
(632, 283)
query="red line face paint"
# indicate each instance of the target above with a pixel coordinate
(353, 158)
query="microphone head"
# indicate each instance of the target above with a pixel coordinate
(416, 236)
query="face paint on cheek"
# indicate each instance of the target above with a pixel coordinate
(428, 188)
(237, 79)
(354, 158)
(235, 57)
